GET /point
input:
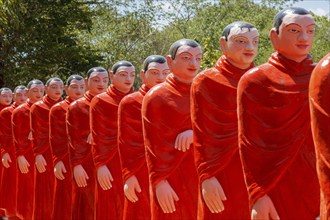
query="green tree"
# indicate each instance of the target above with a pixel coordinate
(321, 45)
(123, 32)
(210, 17)
(39, 39)
(134, 29)
(43, 38)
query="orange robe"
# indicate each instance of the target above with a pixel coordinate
(319, 95)
(9, 184)
(59, 144)
(165, 114)
(275, 138)
(83, 198)
(104, 126)
(2, 212)
(132, 153)
(214, 119)
(44, 182)
(23, 147)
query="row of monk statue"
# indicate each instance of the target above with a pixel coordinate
(235, 141)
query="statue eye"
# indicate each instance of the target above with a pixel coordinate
(311, 31)
(293, 30)
(240, 41)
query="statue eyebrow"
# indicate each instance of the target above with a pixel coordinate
(311, 25)
(240, 36)
(292, 24)
(299, 25)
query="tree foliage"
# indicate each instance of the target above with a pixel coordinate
(39, 39)
(43, 38)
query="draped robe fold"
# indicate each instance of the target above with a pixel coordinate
(80, 153)
(275, 138)
(9, 175)
(60, 150)
(2, 212)
(23, 147)
(132, 153)
(44, 182)
(165, 114)
(319, 95)
(104, 127)
(214, 120)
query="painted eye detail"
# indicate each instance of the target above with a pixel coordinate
(240, 41)
(311, 31)
(293, 30)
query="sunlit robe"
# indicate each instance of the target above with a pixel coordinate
(83, 198)
(275, 137)
(23, 147)
(104, 126)
(59, 144)
(44, 182)
(165, 114)
(132, 153)
(9, 175)
(214, 119)
(319, 94)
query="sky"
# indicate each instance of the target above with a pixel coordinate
(318, 7)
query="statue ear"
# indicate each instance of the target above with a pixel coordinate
(66, 89)
(169, 61)
(142, 76)
(46, 89)
(223, 45)
(274, 38)
(111, 76)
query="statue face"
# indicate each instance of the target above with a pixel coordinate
(156, 73)
(123, 79)
(98, 82)
(76, 89)
(20, 96)
(6, 97)
(55, 89)
(295, 37)
(241, 47)
(36, 92)
(186, 63)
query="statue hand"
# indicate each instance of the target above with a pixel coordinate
(166, 196)
(184, 140)
(131, 185)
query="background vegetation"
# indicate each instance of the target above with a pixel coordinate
(46, 38)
